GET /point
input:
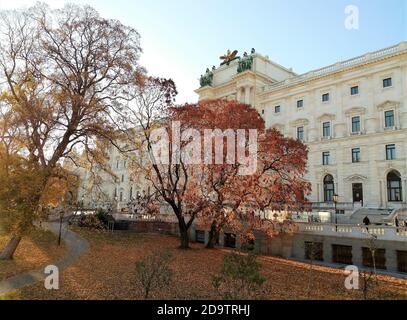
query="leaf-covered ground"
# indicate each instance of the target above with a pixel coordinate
(36, 250)
(106, 271)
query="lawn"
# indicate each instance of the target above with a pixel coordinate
(106, 271)
(36, 250)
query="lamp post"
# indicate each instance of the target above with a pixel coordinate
(335, 199)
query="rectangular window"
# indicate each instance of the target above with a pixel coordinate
(391, 152)
(229, 240)
(326, 129)
(200, 236)
(300, 103)
(356, 155)
(387, 82)
(277, 109)
(402, 261)
(325, 97)
(300, 133)
(342, 254)
(389, 119)
(313, 251)
(379, 258)
(354, 90)
(355, 124)
(326, 158)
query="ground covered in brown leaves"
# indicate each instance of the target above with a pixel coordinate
(36, 250)
(106, 271)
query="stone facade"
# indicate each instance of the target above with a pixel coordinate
(364, 90)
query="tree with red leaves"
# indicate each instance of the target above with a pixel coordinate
(202, 166)
(241, 201)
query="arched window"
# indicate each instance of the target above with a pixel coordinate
(329, 188)
(394, 189)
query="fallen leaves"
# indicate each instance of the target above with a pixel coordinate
(106, 271)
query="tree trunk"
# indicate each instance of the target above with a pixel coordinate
(184, 235)
(10, 248)
(213, 236)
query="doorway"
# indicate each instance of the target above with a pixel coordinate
(357, 190)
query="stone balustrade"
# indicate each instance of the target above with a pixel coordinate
(352, 231)
(340, 65)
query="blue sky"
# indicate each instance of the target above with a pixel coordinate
(181, 38)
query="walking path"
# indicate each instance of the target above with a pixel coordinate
(76, 246)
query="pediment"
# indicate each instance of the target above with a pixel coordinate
(356, 177)
(278, 126)
(388, 104)
(326, 116)
(355, 110)
(300, 122)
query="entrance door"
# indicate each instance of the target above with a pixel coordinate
(357, 192)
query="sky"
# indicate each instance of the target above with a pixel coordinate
(181, 38)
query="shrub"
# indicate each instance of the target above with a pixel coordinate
(91, 222)
(153, 273)
(240, 278)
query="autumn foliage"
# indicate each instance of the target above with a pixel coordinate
(241, 202)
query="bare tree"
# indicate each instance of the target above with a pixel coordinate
(63, 76)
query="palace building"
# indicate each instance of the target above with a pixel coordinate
(352, 115)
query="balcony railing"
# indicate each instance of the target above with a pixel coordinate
(352, 231)
(331, 205)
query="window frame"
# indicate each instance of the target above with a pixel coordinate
(359, 124)
(326, 97)
(352, 93)
(278, 107)
(392, 117)
(326, 155)
(302, 132)
(387, 82)
(391, 150)
(356, 151)
(329, 127)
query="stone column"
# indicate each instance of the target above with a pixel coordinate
(239, 94)
(247, 95)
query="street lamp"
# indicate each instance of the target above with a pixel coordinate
(335, 199)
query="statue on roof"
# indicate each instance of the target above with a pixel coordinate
(228, 57)
(246, 62)
(207, 78)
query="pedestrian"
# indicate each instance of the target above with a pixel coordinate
(366, 221)
(396, 222)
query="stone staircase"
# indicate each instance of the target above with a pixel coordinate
(376, 216)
